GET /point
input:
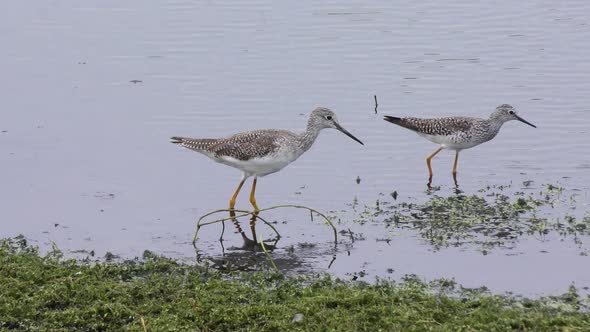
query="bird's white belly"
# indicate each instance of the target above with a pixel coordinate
(451, 142)
(260, 166)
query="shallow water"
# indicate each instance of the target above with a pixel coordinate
(92, 91)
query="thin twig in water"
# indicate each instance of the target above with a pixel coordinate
(267, 254)
(332, 261)
(376, 104)
(351, 235)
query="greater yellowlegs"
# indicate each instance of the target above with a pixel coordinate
(457, 132)
(262, 152)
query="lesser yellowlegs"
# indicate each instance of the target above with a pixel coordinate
(262, 152)
(457, 132)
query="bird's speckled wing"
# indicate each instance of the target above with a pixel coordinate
(248, 145)
(436, 126)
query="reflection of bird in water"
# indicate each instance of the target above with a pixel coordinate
(262, 152)
(299, 258)
(458, 133)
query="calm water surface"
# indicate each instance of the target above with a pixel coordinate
(93, 90)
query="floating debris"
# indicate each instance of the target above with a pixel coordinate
(103, 195)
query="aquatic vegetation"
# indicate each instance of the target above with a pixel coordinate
(157, 294)
(495, 217)
(254, 216)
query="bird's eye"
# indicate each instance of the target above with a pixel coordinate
(511, 112)
(329, 117)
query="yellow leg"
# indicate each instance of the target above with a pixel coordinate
(232, 214)
(455, 167)
(428, 163)
(232, 201)
(252, 193)
(253, 202)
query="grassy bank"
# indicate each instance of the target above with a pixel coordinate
(51, 293)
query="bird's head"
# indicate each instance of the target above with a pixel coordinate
(506, 113)
(323, 117)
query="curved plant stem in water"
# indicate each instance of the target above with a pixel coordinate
(267, 254)
(245, 213)
(251, 213)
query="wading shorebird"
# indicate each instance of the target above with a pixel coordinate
(457, 132)
(261, 152)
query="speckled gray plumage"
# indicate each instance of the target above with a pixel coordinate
(246, 145)
(437, 126)
(459, 132)
(265, 151)
(457, 128)
(196, 144)
(254, 144)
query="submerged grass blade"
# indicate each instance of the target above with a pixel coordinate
(272, 262)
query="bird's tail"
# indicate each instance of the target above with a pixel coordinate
(392, 119)
(197, 144)
(404, 122)
(176, 140)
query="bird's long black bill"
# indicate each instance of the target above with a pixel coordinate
(525, 121)
(348, 134)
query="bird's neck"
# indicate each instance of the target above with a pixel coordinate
(309, 136)
(495, 125)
